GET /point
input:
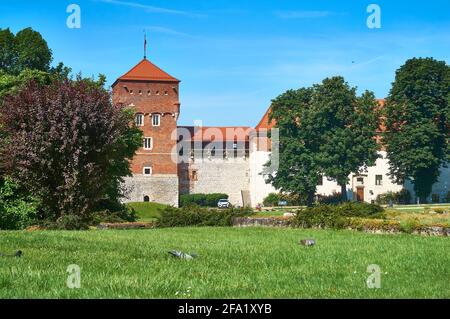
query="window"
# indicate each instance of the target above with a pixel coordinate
(140, 92)
(146, 199)
(194, 175)
(360, 180)
(139, 119)
(156, 119)
(149, 92)
(131, 91)
(148, 143)
(147, 171)
(166, 93)
(157, 92)
(379, 180)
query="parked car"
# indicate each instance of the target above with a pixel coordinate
(223, 203)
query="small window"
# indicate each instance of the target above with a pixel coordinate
(148, 143)
(360, 180)
(149, 92)
(131, 91)
(378, 180)
(140, 92)
(194, 175)
(147, 171)
(157, 92)
(139, 119)
(166, 93)
(146, 199)
(156, 119)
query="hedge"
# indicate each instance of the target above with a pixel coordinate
(335, 216)
(205, 200)
(199, 216)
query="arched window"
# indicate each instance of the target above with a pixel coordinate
(146, 199)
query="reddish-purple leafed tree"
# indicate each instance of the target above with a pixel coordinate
(67, 145)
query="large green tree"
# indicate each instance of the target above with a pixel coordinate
(345, 126)
(25, 50)
(297, 172)
(417, 123)
(324, 130)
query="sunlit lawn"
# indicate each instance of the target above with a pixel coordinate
(232, 263)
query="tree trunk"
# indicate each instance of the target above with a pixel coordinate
(344, 192)
(310, 199)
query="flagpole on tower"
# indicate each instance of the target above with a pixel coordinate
(145, 45)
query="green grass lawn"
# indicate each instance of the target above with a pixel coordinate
(419, 208)
(146, 211)
(232, 263)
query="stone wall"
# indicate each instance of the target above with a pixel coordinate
(217, 175)
(159, 188)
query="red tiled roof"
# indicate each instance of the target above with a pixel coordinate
(264, 123)
(147, 71)
(212, 133)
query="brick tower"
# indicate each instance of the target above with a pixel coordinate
(154, 95)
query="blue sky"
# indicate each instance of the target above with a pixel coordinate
(233, 56)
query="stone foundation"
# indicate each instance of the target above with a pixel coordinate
(159, 188)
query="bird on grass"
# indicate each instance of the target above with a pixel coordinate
(307, 242)
(180, 254)
(16, 254)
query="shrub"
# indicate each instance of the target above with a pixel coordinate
(335, 216)
(410, 225)
(401, 197)
(199, 216)
(334, 198)
(439, 210)
(271, 200)
(17, 211)
(447, 198)
(67, 145)
(205, 200)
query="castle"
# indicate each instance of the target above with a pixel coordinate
(175, 160)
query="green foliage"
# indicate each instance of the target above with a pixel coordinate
(345, 126)
(17, 211)
(335, 216)
(199, 216)
(297, 172)
(402, 197)
(206, 200)
(26, 50)
(323, 130)
(410, 225)
(417, 123)
(272, 200)
(68, 146)
(334, 198)
(8, 51)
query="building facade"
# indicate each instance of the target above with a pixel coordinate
(175, 160)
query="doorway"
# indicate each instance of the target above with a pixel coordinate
(360, 194)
